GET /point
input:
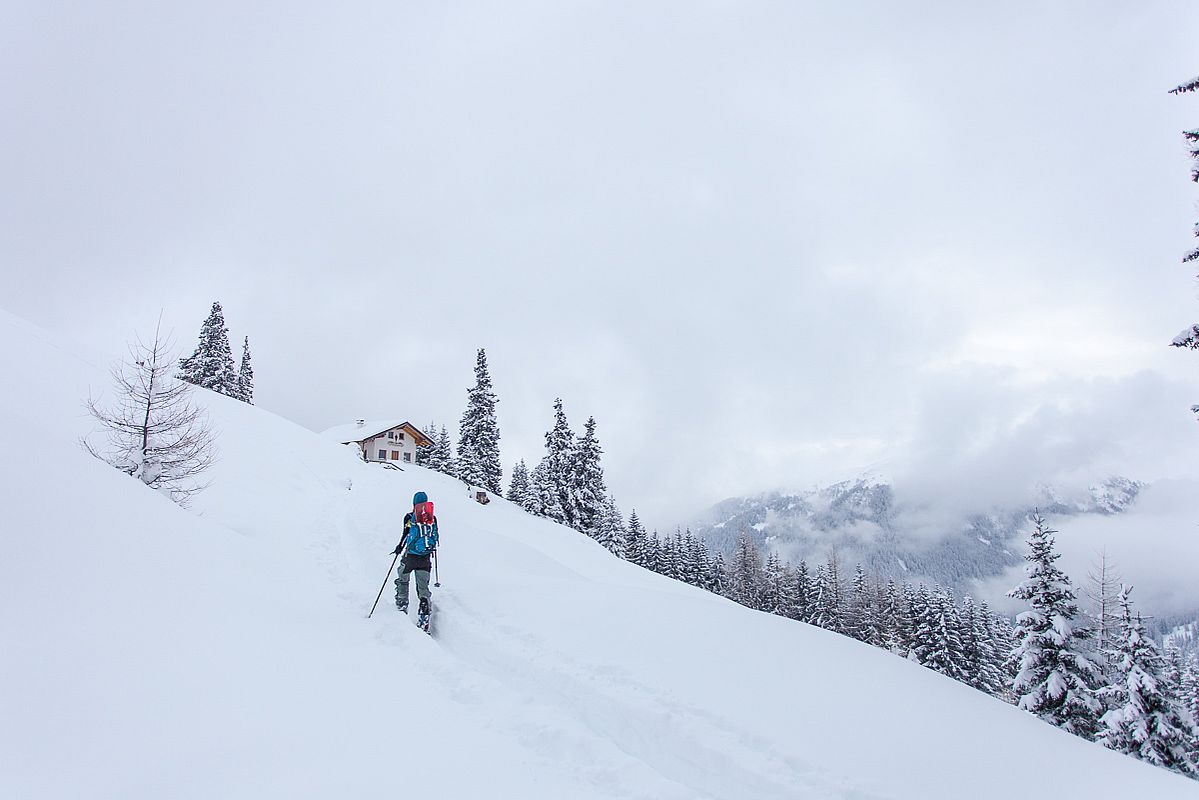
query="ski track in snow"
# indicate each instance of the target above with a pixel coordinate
(608, 704)
(581, 716)
(601, 723)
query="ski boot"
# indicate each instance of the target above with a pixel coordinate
(423, 615)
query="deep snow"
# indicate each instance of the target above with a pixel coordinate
(223, 651)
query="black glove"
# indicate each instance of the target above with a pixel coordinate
(399, 549)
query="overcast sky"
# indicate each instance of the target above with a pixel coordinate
(764, 244)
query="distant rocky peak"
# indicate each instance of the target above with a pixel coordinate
(1111, 496)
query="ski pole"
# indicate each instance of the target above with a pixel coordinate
(384, 586)
(436, 574)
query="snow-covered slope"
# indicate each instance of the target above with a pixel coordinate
(223, 651)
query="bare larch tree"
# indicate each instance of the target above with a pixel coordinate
(153, 429)
(1102, 589)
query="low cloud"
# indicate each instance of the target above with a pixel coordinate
(1154, 547)
(984, 440)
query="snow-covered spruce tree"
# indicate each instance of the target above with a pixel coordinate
(770, 596)
(559, 466)
(245, 375)
(910, 622)
(700, 560)
(441, 455)
(1145, 721)
(424, 452)
(663, 555)
(945, 652)
(837, 593)
(719, 579)
(1172, 666)
(993, 646)
(518, 487)
(611, 531)
(788, 595)
(801, 592)
(926, 622)
(920, 617)
(543, 493)
(862, 622)
(636, 540)
(822, 606)
(211, 365)
(154, 431)
(855, 602)
(745, 575)
(678, 554)
(587, 489)
(668, 561)
(685, 566)
(479, 433)
(704, 564)
(1003, 634)
(1190, 692)
(689, 567)
(653, 553)
(974, 638)
(891, 617)
(1056, 676)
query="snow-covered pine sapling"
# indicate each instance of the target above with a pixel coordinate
(154, 431)
(245, 375)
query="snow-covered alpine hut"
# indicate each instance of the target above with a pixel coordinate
(386, 440)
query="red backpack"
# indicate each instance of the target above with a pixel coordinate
(423, 513)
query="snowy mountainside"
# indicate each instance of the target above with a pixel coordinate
(223, 650)
(1185, 637)
(867, 522)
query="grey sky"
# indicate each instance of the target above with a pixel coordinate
(765, 244)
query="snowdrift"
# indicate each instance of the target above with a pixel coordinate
(223, 650)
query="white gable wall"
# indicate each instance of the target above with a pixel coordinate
(396, 446)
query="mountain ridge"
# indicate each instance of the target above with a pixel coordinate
(864, 521)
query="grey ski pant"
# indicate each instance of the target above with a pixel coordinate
(422, 586)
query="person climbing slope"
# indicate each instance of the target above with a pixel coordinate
(417, 546)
